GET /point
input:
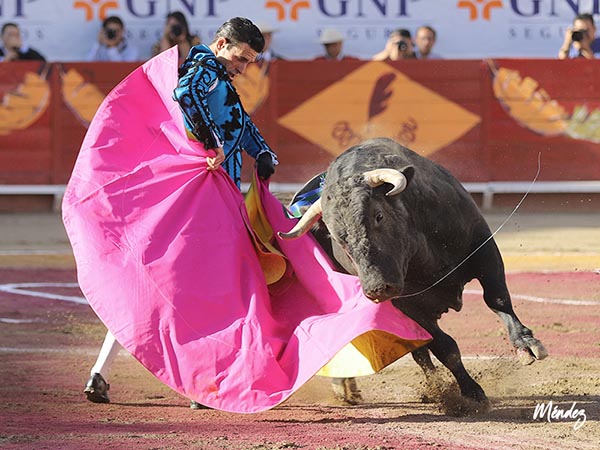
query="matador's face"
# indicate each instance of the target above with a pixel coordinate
(235, 57)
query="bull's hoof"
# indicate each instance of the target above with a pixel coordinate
(477, 395)
(463, 407)
(346, 390)
(468, 402)
(426, 397)
(471, 390)
(531, 350)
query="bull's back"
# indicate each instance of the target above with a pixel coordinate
(432, 182)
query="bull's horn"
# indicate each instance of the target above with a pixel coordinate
(377, 177)
(306, 221)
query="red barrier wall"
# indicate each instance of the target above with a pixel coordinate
(483, 120)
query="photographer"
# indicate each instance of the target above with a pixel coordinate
(399, 46)
(12, 47)
(176, 32)
(580, 39)
(112, 44)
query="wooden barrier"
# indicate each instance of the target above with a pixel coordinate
(487, 121)
(487, 190)
(57, 191)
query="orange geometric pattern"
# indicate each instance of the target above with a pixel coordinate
(88, 7)
(280, 7)
(473, 7)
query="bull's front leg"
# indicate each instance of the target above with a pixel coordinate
(445, 349)
(424, 310)
(423, 358)
(529, 349)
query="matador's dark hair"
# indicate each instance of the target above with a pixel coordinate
(241, 30)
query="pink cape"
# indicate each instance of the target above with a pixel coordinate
(166, 260)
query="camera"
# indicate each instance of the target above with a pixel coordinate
(402, 46)
(176, 30)
(578, 35)
(111, 33)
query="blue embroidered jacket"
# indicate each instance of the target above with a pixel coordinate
(213, 113)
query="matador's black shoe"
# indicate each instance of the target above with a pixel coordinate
(96, 389)
(195, 405)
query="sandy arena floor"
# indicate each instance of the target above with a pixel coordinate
(47, 346)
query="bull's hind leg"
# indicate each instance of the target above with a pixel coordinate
(528, 347)
(497, 297)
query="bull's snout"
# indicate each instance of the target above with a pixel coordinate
(382, 292)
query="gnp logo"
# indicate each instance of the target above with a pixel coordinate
(282, 7)
(90, 7)
(475, 7)
(340, 9)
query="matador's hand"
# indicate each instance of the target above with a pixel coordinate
(214, 162)
(265, 166)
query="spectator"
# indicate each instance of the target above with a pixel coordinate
(208, 102)
(268, 54)
(424, 41)
(13, 49)
(333, 43)
(398, 46)
(580, 39)
(112, 44)
(176, 32)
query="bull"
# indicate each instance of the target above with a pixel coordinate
(414, 236)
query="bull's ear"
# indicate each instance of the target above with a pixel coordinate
(409, 173)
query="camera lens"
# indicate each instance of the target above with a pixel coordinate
(402, 46)
(111, 33)
(577, 36)
(176, 30)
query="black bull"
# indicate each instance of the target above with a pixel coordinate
(417, 244)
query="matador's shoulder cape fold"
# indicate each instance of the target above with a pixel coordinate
(167, 258)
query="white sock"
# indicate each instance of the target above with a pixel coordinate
(109, 351)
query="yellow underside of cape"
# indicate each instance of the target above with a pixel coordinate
(366, 354)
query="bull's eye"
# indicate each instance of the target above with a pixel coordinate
(379, 216)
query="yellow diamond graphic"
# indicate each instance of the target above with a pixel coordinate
(377, 100)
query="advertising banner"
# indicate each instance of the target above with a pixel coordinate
(484, 120)
(65, 30)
